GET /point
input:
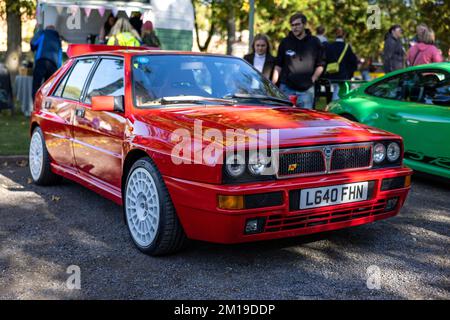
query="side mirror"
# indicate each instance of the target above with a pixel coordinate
(441, 100)
(107, 103)
(293, 99)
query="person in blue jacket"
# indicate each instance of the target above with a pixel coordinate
(46, 44)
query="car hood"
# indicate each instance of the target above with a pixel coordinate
(296, 127)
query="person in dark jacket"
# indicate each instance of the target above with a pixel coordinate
(48, 55)
(300, 62)
(394, 53)
(348, 64)
(106, 29)
(136, 21)
(261, 58)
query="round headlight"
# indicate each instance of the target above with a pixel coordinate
(235, 165)
(257, 163)
(393, 151)
(379, 153)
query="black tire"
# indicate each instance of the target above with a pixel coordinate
(45, 177)
(170, 236)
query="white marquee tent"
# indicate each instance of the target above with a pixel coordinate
(77, 20)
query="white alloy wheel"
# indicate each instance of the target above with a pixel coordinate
(36, 156)
(142, 207)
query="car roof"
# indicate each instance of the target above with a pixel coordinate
(437, 65)
(131, 52)
(94, 50)
(445, 66)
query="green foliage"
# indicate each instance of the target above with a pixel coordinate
(22, 7)
(272, 18)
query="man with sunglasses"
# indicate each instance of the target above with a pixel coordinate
(300, 62)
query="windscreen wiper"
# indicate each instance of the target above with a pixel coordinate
(260, 97)
(194, 99)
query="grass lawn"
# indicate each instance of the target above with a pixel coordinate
(14, 135)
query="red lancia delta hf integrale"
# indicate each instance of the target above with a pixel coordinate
(199, 146)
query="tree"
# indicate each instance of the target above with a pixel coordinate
(203, 7)
(272, 18)
(14, 11)
(223, 17)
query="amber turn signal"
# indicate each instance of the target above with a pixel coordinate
(231, 202)
(407, 181)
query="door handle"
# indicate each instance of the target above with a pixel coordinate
(394, 117)
(80, 112)
(47, 104)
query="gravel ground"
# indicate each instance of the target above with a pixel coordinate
(43, 231)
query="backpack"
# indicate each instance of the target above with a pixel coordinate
(334, 66)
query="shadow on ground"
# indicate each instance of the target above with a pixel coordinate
(45, 230)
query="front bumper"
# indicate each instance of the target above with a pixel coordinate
(197, 207)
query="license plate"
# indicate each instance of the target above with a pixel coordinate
(327, 196)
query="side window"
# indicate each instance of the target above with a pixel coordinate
(59, 90)
(62, 83)
(77, 78)
(108, 79)
(391, 88)
(434, 87)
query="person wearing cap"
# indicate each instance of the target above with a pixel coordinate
(394, 53)
(46, 44)
(148, 35)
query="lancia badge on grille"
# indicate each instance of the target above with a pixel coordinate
(327, 151)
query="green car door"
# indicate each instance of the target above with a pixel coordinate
(415, 105)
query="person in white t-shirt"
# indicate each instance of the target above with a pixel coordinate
(260, 57)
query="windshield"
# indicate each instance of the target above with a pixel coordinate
(157, 79)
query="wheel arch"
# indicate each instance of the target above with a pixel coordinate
(131, 157)
(33, 126)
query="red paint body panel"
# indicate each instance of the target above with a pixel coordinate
(196, 205)
(80, 49)
(92, 151)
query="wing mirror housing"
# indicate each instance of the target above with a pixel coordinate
(108, 103)
(293, 99)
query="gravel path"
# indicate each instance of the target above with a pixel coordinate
(43, 231)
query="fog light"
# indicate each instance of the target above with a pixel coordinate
(231, 202)
(391, 204)
(393, 183)
(254, 225)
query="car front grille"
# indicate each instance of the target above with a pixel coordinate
(301, 163)
(351, 157)
(324, 159)
(276, 223)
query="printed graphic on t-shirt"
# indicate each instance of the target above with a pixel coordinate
(290, 53)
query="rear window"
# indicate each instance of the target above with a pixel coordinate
(72, 85)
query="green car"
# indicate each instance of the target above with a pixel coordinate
(413, 103)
